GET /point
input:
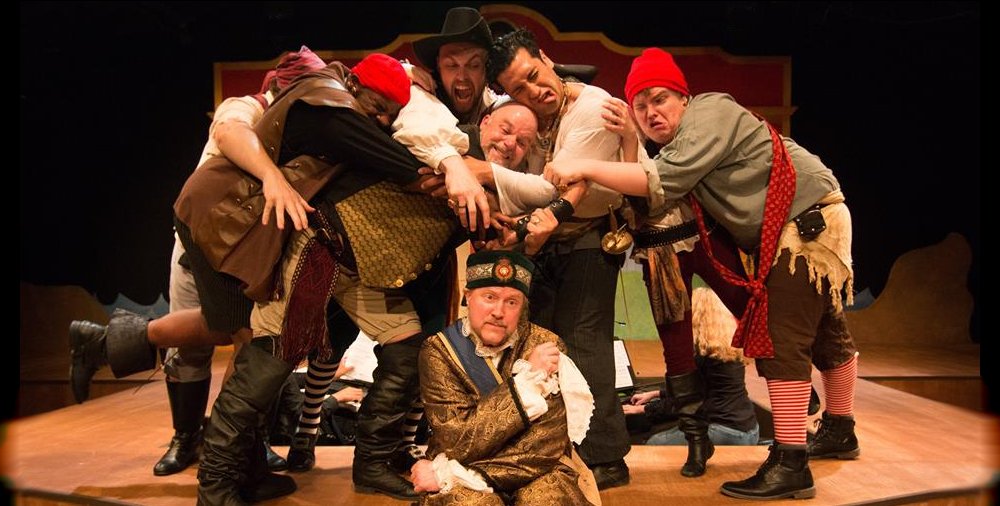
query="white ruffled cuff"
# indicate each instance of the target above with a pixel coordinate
(533, 386)
(450, 473)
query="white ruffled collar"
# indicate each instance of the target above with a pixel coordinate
(483, 350)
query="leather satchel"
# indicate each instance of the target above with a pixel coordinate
(395, 234)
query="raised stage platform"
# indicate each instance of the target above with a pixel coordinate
(926, 440)
(914, 451)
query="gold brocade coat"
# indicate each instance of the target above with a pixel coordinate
(492, 435)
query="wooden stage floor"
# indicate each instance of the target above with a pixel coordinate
(914, 451)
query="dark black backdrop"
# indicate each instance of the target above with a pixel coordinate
(113, 101)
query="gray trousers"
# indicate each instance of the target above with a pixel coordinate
(189, 363)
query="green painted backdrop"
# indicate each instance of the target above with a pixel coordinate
(633, 316)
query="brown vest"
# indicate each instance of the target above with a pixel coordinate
(222, 204)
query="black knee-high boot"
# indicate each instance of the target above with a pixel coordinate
(262, 483)
(122, 344)
(232, 452)
(187, 408)
(274, 461)
(381, 417)
(688, 393)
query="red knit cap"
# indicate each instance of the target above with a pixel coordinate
(654, 67)
(385, 75)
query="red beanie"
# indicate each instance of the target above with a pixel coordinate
(385, 75)
(654, 67)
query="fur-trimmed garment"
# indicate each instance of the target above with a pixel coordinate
(713, 326)
(828, 256)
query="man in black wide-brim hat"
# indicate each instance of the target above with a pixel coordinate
(457, 59)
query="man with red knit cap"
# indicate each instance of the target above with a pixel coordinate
(662, 244)
(783, 206)
(317, 130)
(330, 122)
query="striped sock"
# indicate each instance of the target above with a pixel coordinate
(412, 421)
(410, 426)
(318, 381)
(839, 385)
(789, 407)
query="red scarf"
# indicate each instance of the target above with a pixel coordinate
(752, 334)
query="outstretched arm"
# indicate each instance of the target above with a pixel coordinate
(535, 228)
(627, 178)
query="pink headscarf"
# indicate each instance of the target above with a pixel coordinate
(290, 66)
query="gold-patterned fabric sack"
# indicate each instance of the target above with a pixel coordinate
(395, 234)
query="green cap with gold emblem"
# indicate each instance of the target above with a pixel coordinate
(499, 268)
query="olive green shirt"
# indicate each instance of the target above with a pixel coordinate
(722, 154)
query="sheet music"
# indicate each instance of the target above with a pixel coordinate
(623, 376)
(361, 356)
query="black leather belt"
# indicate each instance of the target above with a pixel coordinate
(653, 237)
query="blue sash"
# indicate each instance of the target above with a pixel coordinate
(482, 372)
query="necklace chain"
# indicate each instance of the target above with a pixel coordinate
(547, 142)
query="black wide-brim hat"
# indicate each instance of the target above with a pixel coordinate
(461, 24)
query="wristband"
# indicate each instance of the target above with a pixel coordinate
(521, 228)
(561, 208)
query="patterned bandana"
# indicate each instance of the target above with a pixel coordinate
(752, 334)
(290, 66)
(293, 65)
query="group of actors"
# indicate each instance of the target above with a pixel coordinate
(333, 201)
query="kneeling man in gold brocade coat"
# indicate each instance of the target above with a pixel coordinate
(503, 401)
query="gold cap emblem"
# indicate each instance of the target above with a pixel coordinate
(503, 270)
